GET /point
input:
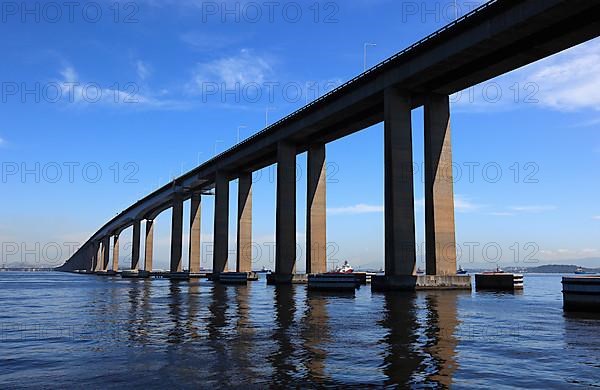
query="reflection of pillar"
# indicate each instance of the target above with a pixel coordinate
(221, 227)
(193, 295)
(149, 247)
(177, 333)
(242, 348)
(316, 218)
(401, 359)
(315, 334)
(135, 246)
(400, 248)
(244, 223)
(285, 229)
(105, 253)
(281, 359)
(216, 324)
(115, 264)
(146, 318)
(195, 219)
(441, 328)
(439, 193)
(177, 235)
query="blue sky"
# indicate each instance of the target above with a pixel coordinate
(100, 109)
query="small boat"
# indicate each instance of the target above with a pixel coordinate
(344, 269)
(420, 271)
(264, 270)
(497, 271)
(581, 271)
(461, 271)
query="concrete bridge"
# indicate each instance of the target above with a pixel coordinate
(496, 38)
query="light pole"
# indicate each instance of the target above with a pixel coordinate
(216, 143)
(238, 132)
(267, 115)
(455, 10)
(365, 54)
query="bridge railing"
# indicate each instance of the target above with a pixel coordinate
(362, 75)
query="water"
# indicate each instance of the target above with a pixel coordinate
(60, 330)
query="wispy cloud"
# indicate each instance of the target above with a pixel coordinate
(532, 208)
(570, 80)
(243, 68)
(567, 81)
(461, 205)
(502, 214)
(77, 92)
(596, 217)
(143, 70)
(203, 41)
(356, 209)
(1, 141)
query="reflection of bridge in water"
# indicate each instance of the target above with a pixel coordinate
(496, 38)
(215, 334)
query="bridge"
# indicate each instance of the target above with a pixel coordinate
(498, 37)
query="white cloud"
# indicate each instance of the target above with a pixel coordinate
(243, 68)
(69, 75)
(569, 80)
(202, 41)
(143, 69)
(566, 81)
(82, 93)
(502, 214)
(356, 209)
(461, 205)
(1, 141)
(532, 208)
(464, 205)
(596, 217)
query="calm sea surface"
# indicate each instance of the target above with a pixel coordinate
(62, 330)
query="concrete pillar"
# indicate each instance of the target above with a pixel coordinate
(316, 217)
(105, 253)
(97, 257)
(195, 220)
(135, 246)
(285, 229)
(400, 248)
(177, 235)
(116, 252)
(244, 223)
(440, 241)
(221, 227)
(94, 259)
(149, 247)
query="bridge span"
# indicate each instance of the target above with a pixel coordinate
(498, 37)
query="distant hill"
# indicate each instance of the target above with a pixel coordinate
(559, 269)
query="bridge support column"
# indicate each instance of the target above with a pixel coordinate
(195, 221)
(115, 264)
(149, 245)
(244, 223)
(400, 248)
(135, 246)
(105, 253)
(97, 256)
(316, 217)
(221, 226)
(177, 235)
(285, 229)
(440, 242)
